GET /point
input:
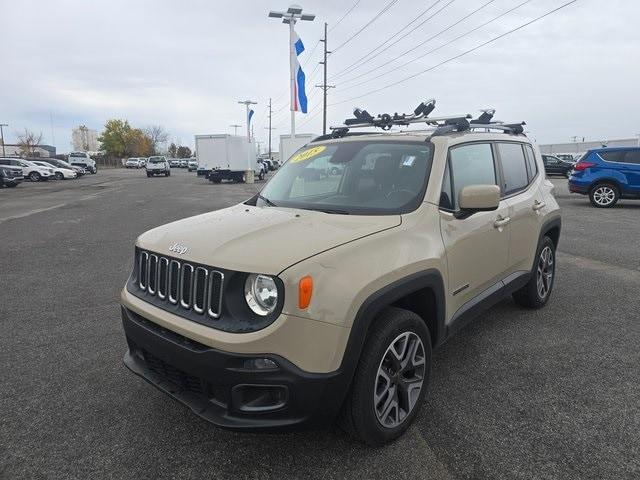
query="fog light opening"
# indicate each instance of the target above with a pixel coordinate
(259, 398)
(259, 364)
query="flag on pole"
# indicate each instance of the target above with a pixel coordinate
(298, 94)
(251, 112)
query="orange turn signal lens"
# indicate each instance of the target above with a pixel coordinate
(305, 289)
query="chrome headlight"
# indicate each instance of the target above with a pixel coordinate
(261, 294)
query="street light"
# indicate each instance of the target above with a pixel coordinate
(246, 117)
(2, 136)
(290, 17)
(235, 128)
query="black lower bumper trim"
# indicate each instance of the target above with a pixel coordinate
(208, 381)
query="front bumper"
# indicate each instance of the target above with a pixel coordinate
(218, 387)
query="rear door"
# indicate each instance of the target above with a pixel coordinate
(521, 185)
(631, 160)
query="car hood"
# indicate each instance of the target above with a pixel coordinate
(260, 239)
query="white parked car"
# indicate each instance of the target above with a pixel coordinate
(135, 163)
(193, 164)
(82, 159)
(158, 166)
(58, 172)
(30, 170)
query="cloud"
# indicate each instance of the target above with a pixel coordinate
(185, 65)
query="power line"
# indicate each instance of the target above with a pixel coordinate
(427, 41)
(364, 57)
(378, 15)
(466, 52)
(409, 32)
(345, 15)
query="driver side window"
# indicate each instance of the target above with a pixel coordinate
(470, 164)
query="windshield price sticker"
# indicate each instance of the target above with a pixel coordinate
(307, 154)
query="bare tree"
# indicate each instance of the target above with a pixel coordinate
(158, 136)
(28, 141)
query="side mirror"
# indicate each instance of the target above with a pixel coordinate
(478, 198)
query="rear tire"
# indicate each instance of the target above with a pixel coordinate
(391, 380)
(536, 293)
(604, 195)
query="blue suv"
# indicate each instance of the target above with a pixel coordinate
(607, 175)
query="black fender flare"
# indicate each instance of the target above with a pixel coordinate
(373, 305)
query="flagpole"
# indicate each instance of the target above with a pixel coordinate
(291, 16)
(292, 74)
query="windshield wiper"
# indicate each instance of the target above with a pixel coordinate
(334, 211)
(266, 200)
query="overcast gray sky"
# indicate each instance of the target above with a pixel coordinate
(184, 65)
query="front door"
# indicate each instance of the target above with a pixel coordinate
(477, 247)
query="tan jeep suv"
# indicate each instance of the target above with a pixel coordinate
(381, 246)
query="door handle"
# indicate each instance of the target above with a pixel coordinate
(501, 222)
(538, 205)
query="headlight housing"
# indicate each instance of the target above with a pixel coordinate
(261, 294)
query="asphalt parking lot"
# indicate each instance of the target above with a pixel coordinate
(548, 394)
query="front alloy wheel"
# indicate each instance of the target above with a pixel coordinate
(399, 379)
(391, 380)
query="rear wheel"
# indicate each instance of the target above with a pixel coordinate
(604, 195)
(536, 293)
(391, 381)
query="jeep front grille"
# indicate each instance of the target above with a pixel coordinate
(195, 288)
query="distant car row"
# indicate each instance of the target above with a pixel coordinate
(141, 162)
(15, 170)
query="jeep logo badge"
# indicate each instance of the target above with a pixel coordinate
(178, 248)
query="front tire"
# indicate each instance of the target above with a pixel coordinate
(59, 176)
(35, 177)
(604, 195)
(536, 293)
(391, 380)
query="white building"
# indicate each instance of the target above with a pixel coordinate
(581, 147)
(84, 139)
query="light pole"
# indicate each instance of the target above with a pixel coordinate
(246, 116)
(2, 136)
(235, 128)
(290, 17)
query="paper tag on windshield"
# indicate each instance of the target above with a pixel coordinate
(307, 154)
(408, 161)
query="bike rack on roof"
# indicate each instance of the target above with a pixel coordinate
(443, 125)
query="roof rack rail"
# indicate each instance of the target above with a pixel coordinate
(443, 125)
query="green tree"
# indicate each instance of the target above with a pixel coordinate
(116, 137)
(184, 152)
(120, 140)
(173, 150)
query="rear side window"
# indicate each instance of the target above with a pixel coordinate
(612, 156)
(632, 156)
(470, 165)
(532, 166)
(514, 167)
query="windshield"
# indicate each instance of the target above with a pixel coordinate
(359, 177)
(156, 160)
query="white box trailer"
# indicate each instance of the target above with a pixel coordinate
(289, 145)
(223, 156)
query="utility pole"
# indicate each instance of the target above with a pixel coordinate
(270, 129)
(2, 136)
(324, 85)
(270, 113)
(290, 17)
(235, 128)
